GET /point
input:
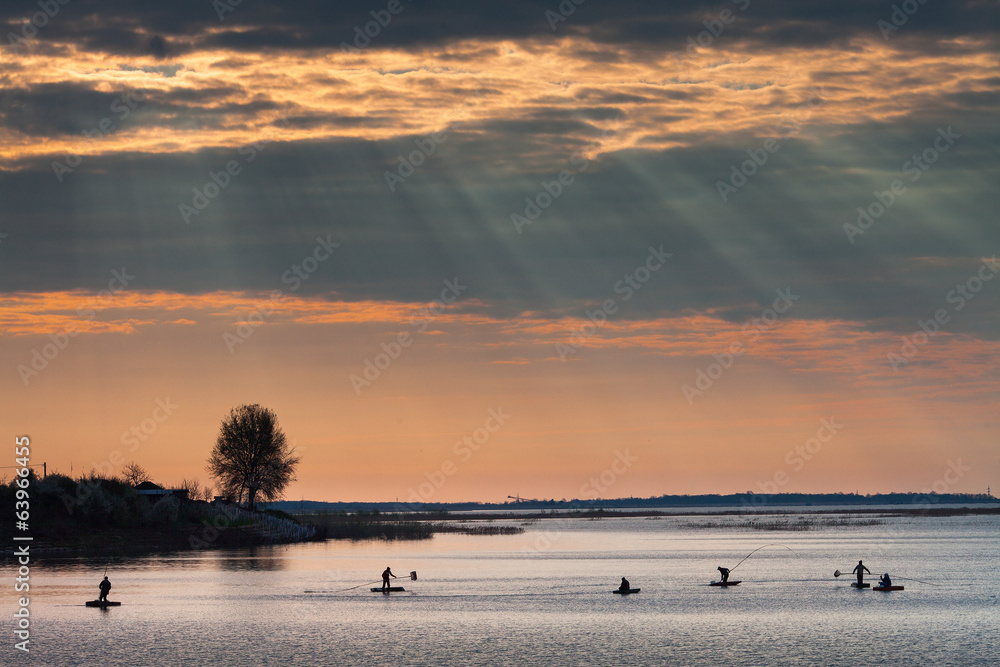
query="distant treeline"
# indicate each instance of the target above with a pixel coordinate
(747, 500)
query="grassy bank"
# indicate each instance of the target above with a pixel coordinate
(95, 515)
(100, 515)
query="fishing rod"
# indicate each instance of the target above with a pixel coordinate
(758, 549)
(412, 577)
(837, 573)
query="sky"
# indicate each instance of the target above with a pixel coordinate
(554, 250)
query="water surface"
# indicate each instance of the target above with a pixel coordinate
(541, 598)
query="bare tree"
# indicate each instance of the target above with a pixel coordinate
(134, 474)
(195, 490)
(251, 456)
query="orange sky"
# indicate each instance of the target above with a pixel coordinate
(622, 391)
(210, 318)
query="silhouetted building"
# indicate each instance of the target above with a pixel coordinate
(151, 489)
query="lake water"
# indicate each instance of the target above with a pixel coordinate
(540, 598)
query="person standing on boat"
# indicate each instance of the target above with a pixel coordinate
(105, 589)
(385, 578)
(724, 571)
(860, 569)
(625, 585)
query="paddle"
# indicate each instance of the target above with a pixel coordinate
(413, 577)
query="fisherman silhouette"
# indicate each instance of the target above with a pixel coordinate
(105, 588)
(885, 581)
(725, 573)
(625, 585)
(860, 569)
(385, 578)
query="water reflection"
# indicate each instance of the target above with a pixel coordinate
(268, 558)
(487, 600)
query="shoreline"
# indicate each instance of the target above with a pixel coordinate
(639, 513)
(419, 526)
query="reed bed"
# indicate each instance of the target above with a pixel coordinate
(796, 524)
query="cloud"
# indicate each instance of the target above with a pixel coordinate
(55, 108)
(813, 347)
(184, 26)
(516, 104)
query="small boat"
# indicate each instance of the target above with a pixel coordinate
(857, 585)
(725, 583)
(393, 589)
(628, 592)
(888, 588)
(103, 603)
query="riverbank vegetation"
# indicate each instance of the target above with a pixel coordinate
(796, 523)
(398, 526)
(97, 514)
(103, 514)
